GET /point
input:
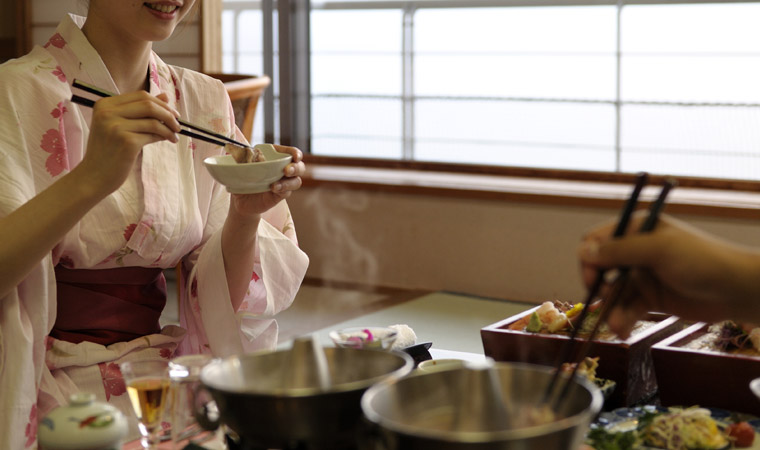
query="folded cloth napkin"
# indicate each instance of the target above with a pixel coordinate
(405, 337)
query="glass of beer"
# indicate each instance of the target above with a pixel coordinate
(148, 388)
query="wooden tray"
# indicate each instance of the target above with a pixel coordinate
(627, 362)
(701, 377)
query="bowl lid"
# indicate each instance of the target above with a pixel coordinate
(83, 424)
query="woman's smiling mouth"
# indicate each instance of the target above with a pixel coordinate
(163, 8)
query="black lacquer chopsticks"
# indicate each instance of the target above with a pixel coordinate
(207, 136)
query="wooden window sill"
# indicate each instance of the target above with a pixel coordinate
(561, 192)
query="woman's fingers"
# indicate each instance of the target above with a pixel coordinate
(295, 170)
(286, 185)
(293, 151)
(138, 105)
(152, 130)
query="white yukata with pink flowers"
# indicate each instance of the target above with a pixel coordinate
(168, 211)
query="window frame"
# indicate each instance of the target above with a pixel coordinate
(295, 93)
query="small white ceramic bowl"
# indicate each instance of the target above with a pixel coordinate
(439, 365)
(378, 338)
(248, 178)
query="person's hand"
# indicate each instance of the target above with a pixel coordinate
(249, 205)
(675, 269)
(121, 126)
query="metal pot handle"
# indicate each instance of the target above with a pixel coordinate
(201, 411)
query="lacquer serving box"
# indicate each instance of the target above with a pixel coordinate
(709, 378)
(627, 362)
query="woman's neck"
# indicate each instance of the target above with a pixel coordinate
(126, 60)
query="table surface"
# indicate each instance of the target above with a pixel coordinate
(450, 321)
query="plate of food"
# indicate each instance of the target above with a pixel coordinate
(656, 427)
(539, 334)
(723, 356)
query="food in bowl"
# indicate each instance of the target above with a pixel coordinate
(248, 178)
(243, 155)
(560, 317)
(380, 338)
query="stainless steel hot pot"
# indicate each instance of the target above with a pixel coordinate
(303, 395)
(475, 408)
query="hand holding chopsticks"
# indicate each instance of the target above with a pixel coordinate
(200, 133)
(554, 394)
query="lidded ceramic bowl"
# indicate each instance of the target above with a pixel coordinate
(83, 424)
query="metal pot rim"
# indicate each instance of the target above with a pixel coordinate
(405, 369)
(481, 436)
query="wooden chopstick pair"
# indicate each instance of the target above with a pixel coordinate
(207, 136)
(619, 284)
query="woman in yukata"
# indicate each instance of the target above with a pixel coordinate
(94, 203)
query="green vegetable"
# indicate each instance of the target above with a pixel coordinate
(601, 439)
(534, 325)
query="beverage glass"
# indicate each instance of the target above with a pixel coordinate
(185, 372)
(148, 388)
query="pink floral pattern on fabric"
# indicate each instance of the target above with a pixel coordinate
(54, 142)
(255, 277)
(158, 260)
(113, 380)
(194, 288)
(56, 41)
(67, 262)
(31, 427)
(195, 305)
(176, 88)
(154, 74)
(129, 231)
(165, 353)
(218, 124)
(58, 72)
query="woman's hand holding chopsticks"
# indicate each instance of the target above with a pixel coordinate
(121, 126)
(675, 269)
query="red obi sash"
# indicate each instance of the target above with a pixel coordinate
(110, 305)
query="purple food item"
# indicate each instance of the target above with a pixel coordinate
(370, 338)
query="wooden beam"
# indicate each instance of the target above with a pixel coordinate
(7, 49)
(211, 36)
(23, 27)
